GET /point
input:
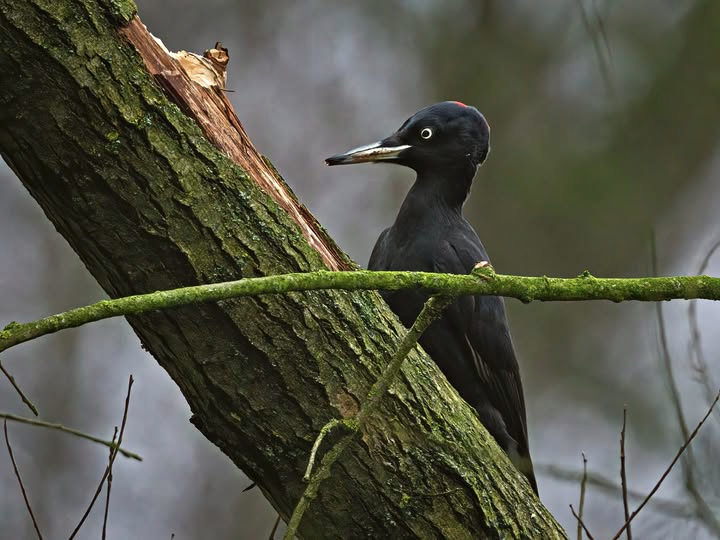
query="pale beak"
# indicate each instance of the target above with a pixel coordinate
(385, 150)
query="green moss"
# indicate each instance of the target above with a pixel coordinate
(11, 326)
(170, 185)
(121, 11)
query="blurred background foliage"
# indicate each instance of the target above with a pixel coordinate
(604, 119)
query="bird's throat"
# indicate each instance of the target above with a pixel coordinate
(433, 199)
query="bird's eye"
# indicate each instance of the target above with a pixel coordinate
(426, 133)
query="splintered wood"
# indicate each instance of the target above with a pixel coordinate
(196, 84)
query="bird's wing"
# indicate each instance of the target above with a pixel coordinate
(378, 254)
(482, 322)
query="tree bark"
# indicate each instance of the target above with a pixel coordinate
(94, 122)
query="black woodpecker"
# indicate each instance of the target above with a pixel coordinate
(445, 144)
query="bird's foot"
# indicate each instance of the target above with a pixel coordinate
(483, 270)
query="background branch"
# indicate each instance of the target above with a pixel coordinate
(623, 475)
(703, 374)
(108, 470)
(679, 453)
(581, 504)
(18, 390)
(20, 482)
(70, 431)
(668, 507)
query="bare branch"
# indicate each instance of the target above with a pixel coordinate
(71, 431)
(274, 529)
(19, 479)
(108, 469)
(581, 507)
(682, 449)
(109, 486)
(689, 466)
(580, 521)
(697, 358)
(665, 349)
(623, 477)
(665, 506)
(596, 30)
(22, 395)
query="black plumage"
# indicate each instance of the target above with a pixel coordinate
(445, 144)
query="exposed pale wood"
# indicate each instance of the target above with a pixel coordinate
(212, 110)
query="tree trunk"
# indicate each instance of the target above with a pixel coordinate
(156, 186)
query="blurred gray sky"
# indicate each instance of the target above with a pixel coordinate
(577, 178)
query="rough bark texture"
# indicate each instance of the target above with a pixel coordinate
(149, 203)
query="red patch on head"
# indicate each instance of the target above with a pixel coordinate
(459, 103)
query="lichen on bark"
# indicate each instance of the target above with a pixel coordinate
(148, 203)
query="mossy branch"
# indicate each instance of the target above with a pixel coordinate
(483, 281)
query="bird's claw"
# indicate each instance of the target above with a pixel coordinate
(484, 270)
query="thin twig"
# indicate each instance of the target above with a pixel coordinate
(603, 63)
(109, 486)
(623, 476)
(581, 506)
(108, 469)
(275, 527)
(688, 464)
(706, 260)
(682, 449)
(19, 479)
(582, 524)
(71, 431)
(23, 397)
(704, 377)
(603, 34)
(697, 358)
(321, 473)
(326, 429)
(665, 506)
(430, 311)
(665, 349)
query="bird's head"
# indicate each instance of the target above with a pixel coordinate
(446, 136)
